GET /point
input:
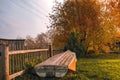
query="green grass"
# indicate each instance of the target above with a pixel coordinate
(97, 68)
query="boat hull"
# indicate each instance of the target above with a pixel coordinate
(57, 66)
(51, 71)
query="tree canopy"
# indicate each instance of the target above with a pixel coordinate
(93, 19)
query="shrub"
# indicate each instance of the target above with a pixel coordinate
(116, 49)
(91, 52)
(75, 45)
(30, 64)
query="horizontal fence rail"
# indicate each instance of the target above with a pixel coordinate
(26, 51)
(15, 63)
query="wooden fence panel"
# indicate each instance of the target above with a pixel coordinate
(16, 62)
(20, 61)
(5, 61)
(0, 68)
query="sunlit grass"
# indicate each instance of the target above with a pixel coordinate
(96, 69)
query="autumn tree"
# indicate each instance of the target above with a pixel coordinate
(29, 42)
(62, 22)
(96, 21)
(113, 8)
(80, 15)
(110, 24)
(41, 41)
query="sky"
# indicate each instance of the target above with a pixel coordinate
(19, 18)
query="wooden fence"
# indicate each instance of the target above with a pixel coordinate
(14, 63)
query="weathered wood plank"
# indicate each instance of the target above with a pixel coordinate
(5, 61)
(50, 50)
(57, 65)
(16, 74)
(0, 68)
(26, 51)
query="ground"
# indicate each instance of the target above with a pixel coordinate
(99, 68)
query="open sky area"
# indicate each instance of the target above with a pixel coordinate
(19, 18)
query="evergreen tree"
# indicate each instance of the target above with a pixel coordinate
(74, 44)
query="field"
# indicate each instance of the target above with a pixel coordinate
(99, 68)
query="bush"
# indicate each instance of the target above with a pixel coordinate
(75, 45)
(91, 52)
(116, 49)
(31, 64)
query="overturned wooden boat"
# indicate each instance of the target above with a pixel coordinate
(57, 66)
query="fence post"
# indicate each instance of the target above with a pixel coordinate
(50, 50)
(5, 61)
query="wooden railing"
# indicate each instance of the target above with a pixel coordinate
(13, 62)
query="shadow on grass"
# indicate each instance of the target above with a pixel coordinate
(69, 76)
(31, 75)
(28, 76)
(75, 76)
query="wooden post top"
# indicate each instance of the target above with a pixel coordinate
(50, 49)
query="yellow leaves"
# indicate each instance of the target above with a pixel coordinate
(106, 48)
(117, 34)
(97, 26)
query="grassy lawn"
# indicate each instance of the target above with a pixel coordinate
(99, 68)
